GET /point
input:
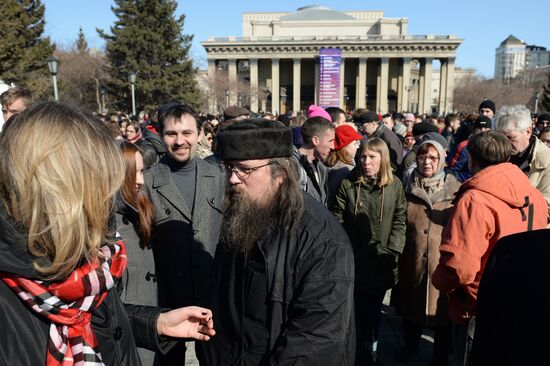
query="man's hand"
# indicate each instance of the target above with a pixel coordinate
(189, 322)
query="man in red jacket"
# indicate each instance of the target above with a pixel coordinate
(497, 201)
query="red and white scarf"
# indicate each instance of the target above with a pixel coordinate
(69, 305)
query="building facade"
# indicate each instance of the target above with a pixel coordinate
(514, 56)
(278, 57)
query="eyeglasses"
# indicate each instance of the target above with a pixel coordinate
(243, 173)
(428, 158)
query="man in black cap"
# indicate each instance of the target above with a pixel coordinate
(235, 112)
(283, 271)
(487, 108)
(373, 127)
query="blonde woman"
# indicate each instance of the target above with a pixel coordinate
(59, 263)
(371, 206)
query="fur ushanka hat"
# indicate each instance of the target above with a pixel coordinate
(250, 139)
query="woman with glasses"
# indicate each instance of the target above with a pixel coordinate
(429, 193)
(371, 206)
(134, 134)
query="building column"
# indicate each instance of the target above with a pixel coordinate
(450, 85)
(442, 87)
(275, 89)
(405, 85)
(342, 80)
(212, 86)
(254, 84)
(425, 86)
(232, 69)
(361, 91)
(317, 75)
(296, 84)
(382, 87)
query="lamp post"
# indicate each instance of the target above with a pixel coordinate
(226, 98)
(537, 95)
(52, 65)
(132, 80)
(102, 92)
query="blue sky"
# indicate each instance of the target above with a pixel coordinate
(482, 24)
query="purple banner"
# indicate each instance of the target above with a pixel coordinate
(329, 77)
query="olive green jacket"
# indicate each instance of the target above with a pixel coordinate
(375, 220)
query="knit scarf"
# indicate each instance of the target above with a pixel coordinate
(69, 305)
(430, 185)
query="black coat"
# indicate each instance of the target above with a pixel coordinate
(24, 334)
(290, 302)
(513, 303)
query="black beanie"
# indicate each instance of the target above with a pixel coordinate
(487, 103)
(424, 127)
(250, 139)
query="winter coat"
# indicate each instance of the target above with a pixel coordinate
(24, 333)
(375, 221)
(172, 217)
(336, 174)
(497, 201)
(512, 319)
(415, 297)
(394, 145)
(139, 280)
(293, 302)
(313, 178)
(539, 170)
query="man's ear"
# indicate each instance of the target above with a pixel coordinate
(315, 140)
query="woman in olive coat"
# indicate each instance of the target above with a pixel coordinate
(371, 206)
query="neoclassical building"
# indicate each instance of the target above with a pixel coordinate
(278, 57)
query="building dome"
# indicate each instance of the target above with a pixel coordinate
(316, 12)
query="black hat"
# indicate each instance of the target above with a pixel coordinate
(367, 117)
(487, 103)
(543, 117)
(254, 139)
(424, 127)
(235, 111)
(483, 122)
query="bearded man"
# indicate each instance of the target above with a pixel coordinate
(283, 271)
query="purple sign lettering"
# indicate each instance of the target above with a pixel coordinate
(329, 77)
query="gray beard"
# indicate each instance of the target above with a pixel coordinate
(245, 222)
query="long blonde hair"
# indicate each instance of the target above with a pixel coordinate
(59, 170)
(385, 174)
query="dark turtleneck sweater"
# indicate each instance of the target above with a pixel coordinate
(185, 176)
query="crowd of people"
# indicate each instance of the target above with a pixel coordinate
(272, 240)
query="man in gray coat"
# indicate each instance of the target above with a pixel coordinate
(186, 193)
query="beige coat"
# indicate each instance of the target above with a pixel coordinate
(414, 297)
(539, 170)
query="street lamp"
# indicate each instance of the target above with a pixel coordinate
(52, 65)
(537, 95)
(102, 92)
(226, 98)
(132, 79)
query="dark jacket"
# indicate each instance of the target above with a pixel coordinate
(139, 280)
(377, 239)
(297, 290)
(313, 177)
(394, 145)
(24, 334)
(513, 300)
(172, 217)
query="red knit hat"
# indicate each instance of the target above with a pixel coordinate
(345, 134)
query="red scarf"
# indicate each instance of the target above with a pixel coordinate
(69, 305)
